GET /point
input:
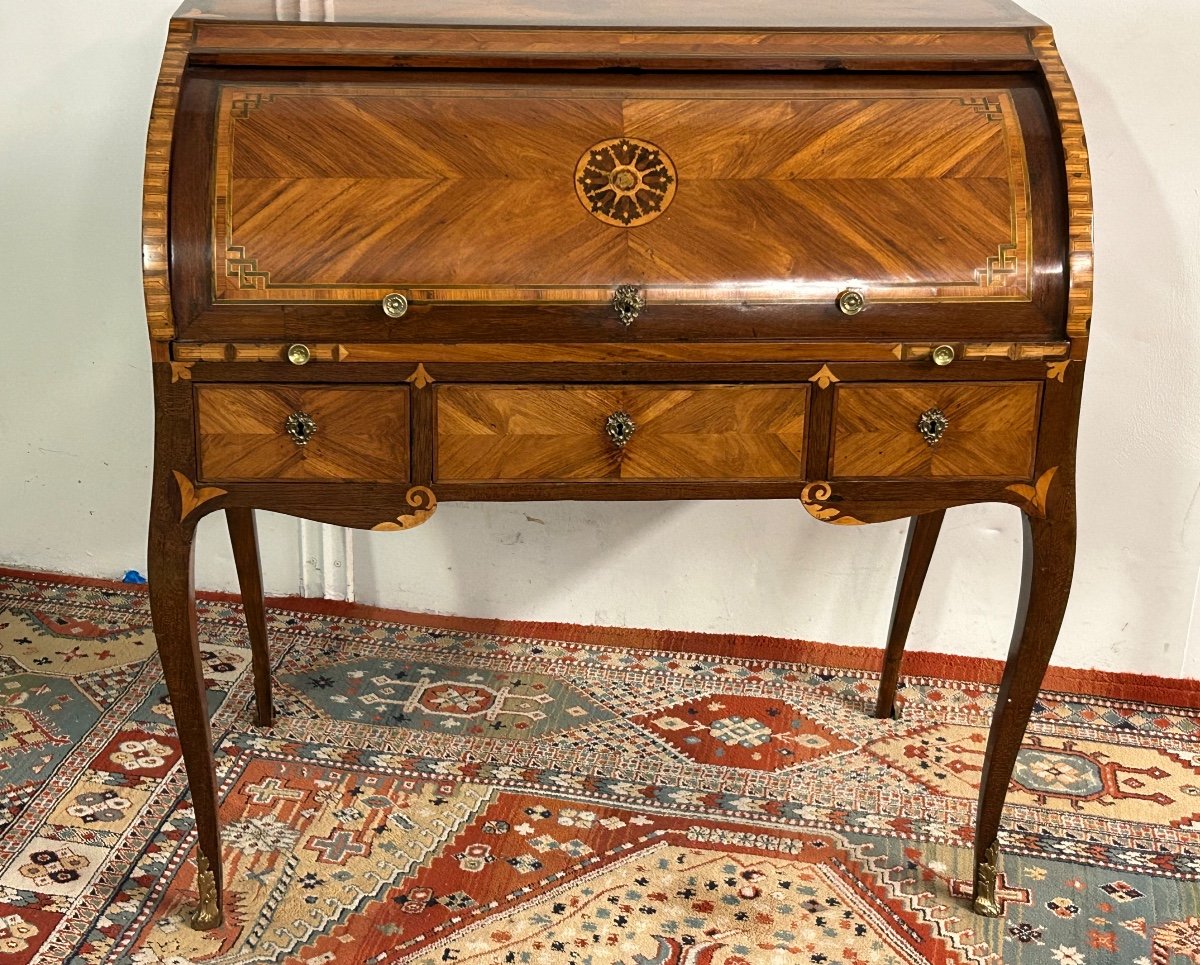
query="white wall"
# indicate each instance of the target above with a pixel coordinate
(75, 427)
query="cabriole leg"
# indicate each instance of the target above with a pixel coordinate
(1049, 562)
(173, 611)
(244, 535)
(918, 550)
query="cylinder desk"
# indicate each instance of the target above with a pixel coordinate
(402, 253)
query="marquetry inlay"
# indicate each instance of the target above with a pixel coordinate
(388, 256)
(422, 503)
(560, 433)
(1057, 371)
(815, 498)
(1079, 191)
(420, 378)
(980, 430)
(242, 106)
(625, 182)
(155, 273)
(824, 377)
(356, 432)
(192, 496)
(765, 351)
(951, 193)
(245, 270)
(1037, 495)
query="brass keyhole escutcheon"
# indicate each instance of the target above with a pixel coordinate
(628, 302)
(619, 426)
(300, 427)
(933, 425)
(395, 305)
(943, 355)
(298, 354)
(851, 301)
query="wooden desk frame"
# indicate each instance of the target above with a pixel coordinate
(182, 496)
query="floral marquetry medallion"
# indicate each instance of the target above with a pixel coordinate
(625, 182)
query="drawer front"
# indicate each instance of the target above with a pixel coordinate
(282, 432)
(572, 433)
(936, 430)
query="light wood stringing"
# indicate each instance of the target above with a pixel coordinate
(684, 432)
(764, 351)
(362, 433)
(992, 431)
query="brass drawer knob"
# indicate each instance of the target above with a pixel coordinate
(851, 301)
(300, 427)
(628, 302)
(619, 427)
(395, 305)
(298, 354)
(943, 355)
(933, 425)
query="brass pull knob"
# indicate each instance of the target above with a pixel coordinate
(933, 425)
(300, 427)
(943, 355)
(395, 305)
(628, 302)
(851, 301)
(619, 427)
(298, 354)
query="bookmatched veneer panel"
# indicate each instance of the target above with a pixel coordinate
(360, 433)
(989, 431)
(681, 432)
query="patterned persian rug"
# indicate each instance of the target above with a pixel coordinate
(434, 795)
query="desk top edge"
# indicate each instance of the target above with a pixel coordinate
(624, 14)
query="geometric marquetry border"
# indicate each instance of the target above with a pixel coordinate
(155, 280)
(1080, 253)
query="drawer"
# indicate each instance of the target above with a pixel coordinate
(289, 432)
(573, 433)
(985, 430)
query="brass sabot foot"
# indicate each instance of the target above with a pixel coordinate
(208, 911)
(985, 883)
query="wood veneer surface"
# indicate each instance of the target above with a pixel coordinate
(362, 432)
(343, 192)
(929, 153)
(992, 430)
(683, 432)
